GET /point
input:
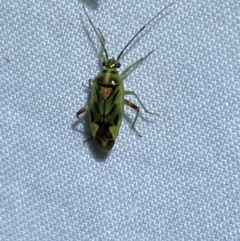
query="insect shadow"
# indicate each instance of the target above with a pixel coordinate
(96, 153)
(96, 50)
(93, 4)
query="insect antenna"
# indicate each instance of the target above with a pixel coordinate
(98, 33)
(140, 30)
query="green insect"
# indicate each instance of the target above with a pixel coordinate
(107, 94)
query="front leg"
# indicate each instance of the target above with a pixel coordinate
(89, 87)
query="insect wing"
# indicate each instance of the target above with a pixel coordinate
(95, 109)
(106, 108)
(114, 109)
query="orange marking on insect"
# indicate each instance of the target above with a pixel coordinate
(106, 91)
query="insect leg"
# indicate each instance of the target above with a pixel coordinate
(130, 104)
(84, 109)
(88, 139)
(135, 64)
(128, 92)
(89, 84)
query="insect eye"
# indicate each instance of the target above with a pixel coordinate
(103, 63)
(117, 65)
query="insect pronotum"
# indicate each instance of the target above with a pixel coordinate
(107, 93)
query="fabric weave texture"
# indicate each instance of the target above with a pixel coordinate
(179, 181)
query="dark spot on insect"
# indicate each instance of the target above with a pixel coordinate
(117, 65)
(114, 96)
(103, 63)
(98, 94)
(96, 107)
(92, 116)
(104, 137)
(113, 72)
(103, 131)
(115, 121)
(112, 110)
(104, 71)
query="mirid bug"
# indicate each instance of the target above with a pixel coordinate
(107, 94)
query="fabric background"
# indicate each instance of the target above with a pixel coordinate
(180, 181)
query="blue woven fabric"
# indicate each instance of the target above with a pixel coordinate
(180, 181)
